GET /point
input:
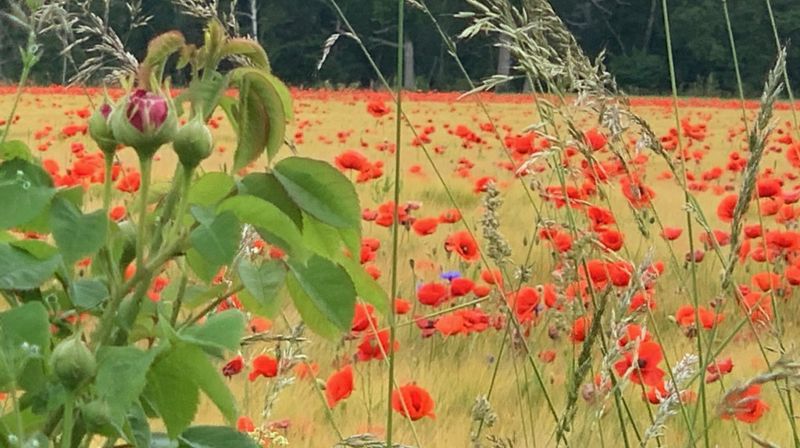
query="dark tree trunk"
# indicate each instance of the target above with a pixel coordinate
(648, 31)
(409, 77)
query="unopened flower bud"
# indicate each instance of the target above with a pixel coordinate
(72, 362)
(193, 142)
(100, 130)
(145, 121)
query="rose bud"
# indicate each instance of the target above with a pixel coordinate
(193, 143)
(100, 130)
(145, 121)
(72, 362)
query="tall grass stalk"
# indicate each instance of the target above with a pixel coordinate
(778, 47)
(396, 212)
(30, 56)
(690, 231)
(352, 34)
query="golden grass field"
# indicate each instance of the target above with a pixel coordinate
(457, 369)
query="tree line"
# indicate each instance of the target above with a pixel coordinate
(296, 34)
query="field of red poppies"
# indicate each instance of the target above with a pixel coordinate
(536, 280)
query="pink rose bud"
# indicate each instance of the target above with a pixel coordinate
(147, 111)
(145, 120)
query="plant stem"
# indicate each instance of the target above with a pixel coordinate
(69, 410)
(693, 265)
(26, 70)
(106, 321)
(146, 165)
(183, 203)
(395, 221)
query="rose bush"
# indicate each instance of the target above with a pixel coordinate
(84, 353)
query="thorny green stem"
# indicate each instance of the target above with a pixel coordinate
(183, 203)
(106, 321)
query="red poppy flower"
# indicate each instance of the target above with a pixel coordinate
(579, 329)
(481, 290)
(432, 294)
(377, 108)
(461, 286)
(600, 217)
(481, 183)
(685, 317)
(373, 347)
(233, 367)
(547, 356)
(619, 272)
(595, 139)
(450, 216)
(646, 369)
(758, 306)
(463, 244)
(718, 369)
(130, 182)
(259, 324)
(425, 226)
(633, 334)
(351, 160)
(611, 239)
(752, 231)
(401, 306)
(745, 406)
(245, 424)
(767, 188)
(726, 207)
(263, 365)
(450, 324)
(363, 318)
(524, 303)
(339, 386)
(766, 281)
(117, 213)
(413, 402)
(637, 193)
(671, 233)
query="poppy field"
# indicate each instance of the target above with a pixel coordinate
(566, 286)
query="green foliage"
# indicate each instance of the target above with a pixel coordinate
(262, 117)
(110, 382)
(20, 269)
(320, 190)
(270, 222)
(217, 240)
(25, 191)
(215, 437)
(77, 235)
(324, 294)
(24, 344)
(262, 284)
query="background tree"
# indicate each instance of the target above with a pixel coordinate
(631, 33)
